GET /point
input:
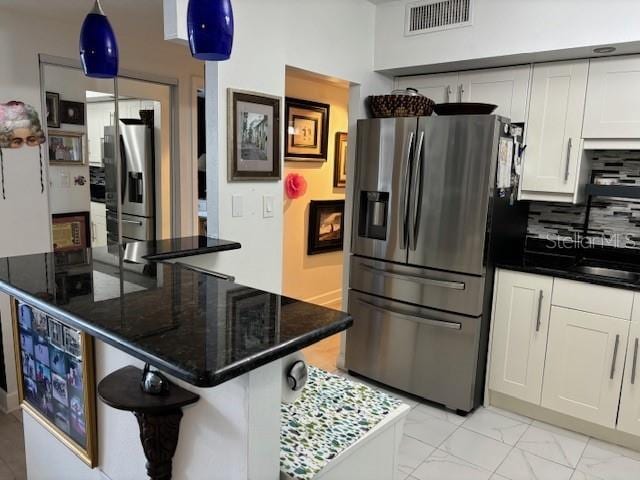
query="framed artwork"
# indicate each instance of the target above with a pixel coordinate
(340, 161)
(66, 148)
(72, 112)
(253, 136)
(251, 319)
(307, 130)
(326, 226)
(56, 378)
(70, 231)
(53, 109)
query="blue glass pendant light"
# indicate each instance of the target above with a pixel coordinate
(98, 47)
(210, 29)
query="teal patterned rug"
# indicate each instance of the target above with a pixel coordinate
(330, 415)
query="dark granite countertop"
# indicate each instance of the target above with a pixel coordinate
(568, 262)
(198, 327)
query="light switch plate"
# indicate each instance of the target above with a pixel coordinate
(267, 206)
(65, 180)
(236, 205)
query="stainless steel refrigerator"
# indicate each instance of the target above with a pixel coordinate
(429, 223)
(137, 181)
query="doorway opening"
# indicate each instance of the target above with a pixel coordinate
(314, 245)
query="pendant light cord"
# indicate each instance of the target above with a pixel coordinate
(41, 171)
(4, 197)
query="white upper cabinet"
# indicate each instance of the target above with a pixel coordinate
(629, 416)
(519, 334)
(441, 88)
(554, 129)
(508, 88)
(584, 365)
(613, 98)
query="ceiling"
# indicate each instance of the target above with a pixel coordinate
(142, 16)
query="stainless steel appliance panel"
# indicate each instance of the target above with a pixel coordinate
(137, 169)
(422, 351)
(384, 150)
(435, 288)
(133, 227)
(451, 191)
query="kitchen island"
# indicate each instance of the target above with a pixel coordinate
(213, 337)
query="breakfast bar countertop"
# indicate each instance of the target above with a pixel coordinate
(196, 326)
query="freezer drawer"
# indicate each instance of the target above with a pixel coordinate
(433, 288)
(133, 228)
(425, 352)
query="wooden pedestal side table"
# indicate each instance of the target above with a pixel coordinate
(158, 415)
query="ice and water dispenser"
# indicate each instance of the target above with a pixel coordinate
(374, 209)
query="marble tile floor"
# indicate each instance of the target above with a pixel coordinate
(493, 444)
(12, 458)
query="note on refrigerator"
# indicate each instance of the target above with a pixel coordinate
(505, 159)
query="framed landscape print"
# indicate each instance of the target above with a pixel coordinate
(66, 148)
(340, 161)
(254, 136)
(307, 130)
(53, 109)
(326, 226)
(56, 378)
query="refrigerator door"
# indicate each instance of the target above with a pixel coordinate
(137, 168)
(426, 352)
(383, 162)
(451, 191)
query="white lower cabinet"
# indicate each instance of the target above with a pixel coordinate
(520, 326)
(629, 416)
(584, 365)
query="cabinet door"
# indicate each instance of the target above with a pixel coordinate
(519, 334)
(629, 416)
(583, 369)
(506, 87)
(554, 127)
(613, 98)
(441, 88)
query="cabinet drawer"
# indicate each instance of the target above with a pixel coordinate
(613, 302)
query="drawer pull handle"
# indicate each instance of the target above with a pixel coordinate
(413, 318)
(635, 363)
(615, 355)
(568, 162)
(538, 321)
(424, 280)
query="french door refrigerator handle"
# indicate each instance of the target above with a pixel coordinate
(416, 188)
(414, 318)
(405, 193)
(424, 280)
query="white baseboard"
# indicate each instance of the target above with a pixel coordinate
(332, 299)
(8, 401)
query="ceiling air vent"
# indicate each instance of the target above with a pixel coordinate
(431, 16)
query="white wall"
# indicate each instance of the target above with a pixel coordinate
(330, 37)
(507, 28)
(313, 278)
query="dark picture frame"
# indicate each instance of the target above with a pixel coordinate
(340, 161)
(55, 387)
(251, 320)
(326, 226)
(307, 130)
(52, 102)
(253, 141)
(71, 113)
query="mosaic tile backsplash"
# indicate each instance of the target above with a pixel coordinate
(613, 222)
